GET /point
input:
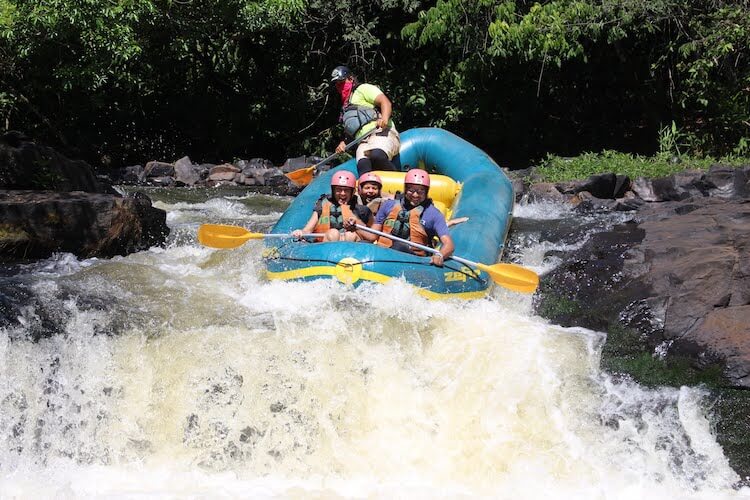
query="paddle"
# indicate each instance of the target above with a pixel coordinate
(304, 176)
(222, 236)
(510, 276)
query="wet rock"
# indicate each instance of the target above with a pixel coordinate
(164, 181)
(26, 165)
(36, 224)
(134, 174)
(292, 164)
(159, 169)
(257, 173)
(204, 169)
(545, 191)
(675, 187)
(21, 307)
(700, 262)
(185, 173)
(728, 182)
(247, 166)
(724, 333)
(519, 188)
(274, 177)
(627, 203)
(225, 172)
(606, 186)
(583, 290)
(587, 203)
(250, 181)
(679, 274)
(72, 211)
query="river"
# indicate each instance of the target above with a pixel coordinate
(183, 372)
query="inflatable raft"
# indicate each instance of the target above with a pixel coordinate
(465, 182)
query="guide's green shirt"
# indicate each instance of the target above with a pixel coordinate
(365, 95)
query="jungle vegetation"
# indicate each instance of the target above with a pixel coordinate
(125, 81)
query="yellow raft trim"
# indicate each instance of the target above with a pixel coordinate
(334, 271)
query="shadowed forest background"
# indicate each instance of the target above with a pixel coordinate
(117, 82)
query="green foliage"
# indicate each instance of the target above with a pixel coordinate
(699, 51)
(730, 411)
(653, 372)
(627, 352)
(166, 77)
(88, 43)
(558, 169)
(220, 78)
(279, 13)
(551, 31)
(558, 306)
(671, 140)
(7, 16)
(742, 149)
(7, 102)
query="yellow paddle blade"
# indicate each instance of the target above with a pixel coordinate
(222, 236)
(301, 177)
(512, 277)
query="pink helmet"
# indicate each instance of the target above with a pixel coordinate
(370, 177)
(343, 178)
(417, 176)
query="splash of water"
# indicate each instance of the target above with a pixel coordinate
(198, 377)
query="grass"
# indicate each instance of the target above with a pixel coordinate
(559, 169)
(557, 306)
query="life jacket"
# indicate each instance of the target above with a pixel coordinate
(374, 205)
(406, 225)
(356, 116)
(332, 217)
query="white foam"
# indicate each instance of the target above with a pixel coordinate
(219, 383)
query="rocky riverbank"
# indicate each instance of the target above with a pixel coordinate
(49, 203)
(256, 174)
(677, 272)
(670, 285)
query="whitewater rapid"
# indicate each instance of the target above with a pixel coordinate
(183, 372)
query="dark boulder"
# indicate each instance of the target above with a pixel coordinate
(519, 188)
(159, 169)
(247, 166)
(49, 204)
(292, 164)
(603, 186)
(676, 187)
(728, 182)
(25, 164)
(36, 224)
(587, 203)
(134, 174)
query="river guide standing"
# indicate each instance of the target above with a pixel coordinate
(363, 108)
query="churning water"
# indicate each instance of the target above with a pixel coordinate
(182, 372)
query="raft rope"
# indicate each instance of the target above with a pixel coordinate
(473, 274)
